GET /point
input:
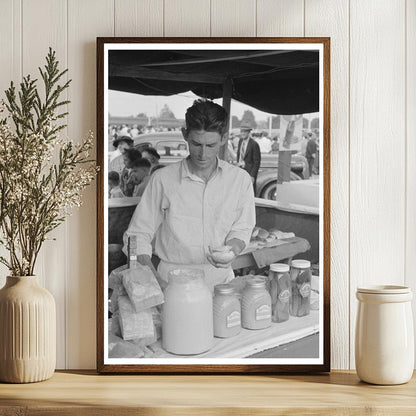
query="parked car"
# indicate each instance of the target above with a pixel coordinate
(172, 147)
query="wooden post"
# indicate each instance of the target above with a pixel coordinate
(283, 168)
(227, 91)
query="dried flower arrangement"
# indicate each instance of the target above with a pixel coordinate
(42, 176)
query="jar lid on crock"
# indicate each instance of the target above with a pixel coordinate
(224, 289)
(384, 289)
(184, 274)
(301, 264)
(279, 267)
(256, 282)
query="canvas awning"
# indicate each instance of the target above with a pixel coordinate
(274, 81)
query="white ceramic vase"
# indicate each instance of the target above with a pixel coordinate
(384, 338)
(27, 331)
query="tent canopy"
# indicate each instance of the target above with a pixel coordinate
(274, 81)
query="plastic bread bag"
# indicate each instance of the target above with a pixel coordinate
(142, 288)
(134, 325)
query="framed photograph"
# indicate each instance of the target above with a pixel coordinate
(213, 212)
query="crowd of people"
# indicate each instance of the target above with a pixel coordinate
(269, 145)
(116, 131)
(130, 170)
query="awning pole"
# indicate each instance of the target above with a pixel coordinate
(227, 90)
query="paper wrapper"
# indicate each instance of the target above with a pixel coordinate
(117, 292)
(135, 325)
(118, 348)
(115, 277)
(142, 288)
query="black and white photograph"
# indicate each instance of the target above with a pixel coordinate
(213, 205)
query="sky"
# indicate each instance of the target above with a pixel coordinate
(127, 104)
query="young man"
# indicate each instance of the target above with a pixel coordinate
(114, 190)
(130, 156)
(140, 173)
(311, 150)
(152, 156)
(197, 203)
(248, 153)
(115, 161)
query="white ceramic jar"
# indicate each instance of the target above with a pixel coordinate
(187, 318)
(384, 337)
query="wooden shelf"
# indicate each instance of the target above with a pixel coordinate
(86, 393)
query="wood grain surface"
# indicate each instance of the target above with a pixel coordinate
(377, 148)
(411, 150)
(85, 18)
(373, 105)
(82, 393)
(54, 256)
(330, 18)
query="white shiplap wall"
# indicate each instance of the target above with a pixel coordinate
(373, 139)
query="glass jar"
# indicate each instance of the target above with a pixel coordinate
(256, 305)
(384, 339)
(279, 291)
(227, 312)
(187, 321)
(300, 277)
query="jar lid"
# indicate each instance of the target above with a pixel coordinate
(384, 289)
(185, 275)
(257, 282)
(224, 289)
(301, 264)
(279, 267)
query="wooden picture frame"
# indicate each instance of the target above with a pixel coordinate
(303, 88)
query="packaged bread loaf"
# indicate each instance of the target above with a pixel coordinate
(142, 288)
(134, 325)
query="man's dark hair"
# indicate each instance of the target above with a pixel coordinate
(141, 163)
(152, 151)
(133, 154)
(206, 115)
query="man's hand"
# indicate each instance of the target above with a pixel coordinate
(145, 260)
(233, 248)
(221, 260)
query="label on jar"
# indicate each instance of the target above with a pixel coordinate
(284, 296)
(233, 319)
(305, 290)
(263, 312)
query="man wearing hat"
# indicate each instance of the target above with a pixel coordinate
(248, 153)
(115, 160)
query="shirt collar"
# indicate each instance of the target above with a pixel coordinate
(185, 172)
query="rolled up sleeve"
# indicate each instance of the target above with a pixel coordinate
(146, 218)
(246, 214)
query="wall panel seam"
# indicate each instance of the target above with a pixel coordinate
(66, 221)
(210, 18)
(349, 186)
(304, 18)
(21, 39)
(405, 144)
